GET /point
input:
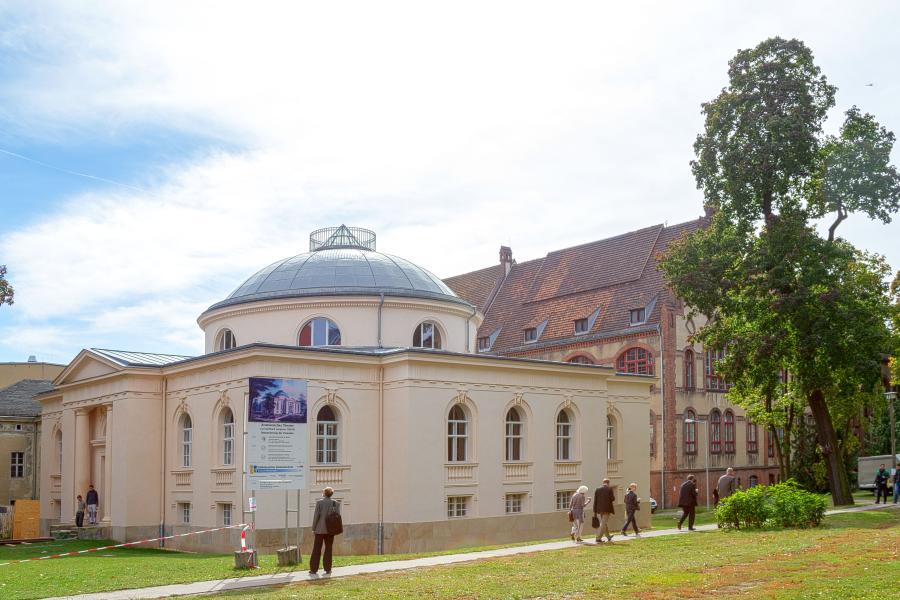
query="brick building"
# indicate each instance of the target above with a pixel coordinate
(606, 303)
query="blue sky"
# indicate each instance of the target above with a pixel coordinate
(233, 132)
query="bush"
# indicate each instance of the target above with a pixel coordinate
(781, 505)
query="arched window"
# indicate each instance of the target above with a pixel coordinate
(635, 360)
(187, 439)
(320, 332)
(564, 436)
(59, 451)
(715, 431)
(226, 340)
(515, 438)
(427, 335)
(610, 437)
(752, 438)
(327, 436)
(688, 369)
(729, 432)
(690, 432)
(652, 434)
(581, 359)
(457, 434)
(227, 437)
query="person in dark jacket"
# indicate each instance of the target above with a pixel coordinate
(726, 486)
(632, 505)
(881, 481)
(93, 501)
(604, 497)
(79, 511)
(324, 507)
(687, 500)
(896, 483)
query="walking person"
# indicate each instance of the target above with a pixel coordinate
(577, 505)
(726, 486)
(632, 505)
(604, 497)
(325, 507)
(896, 483)
(687, 501)
(93, 501)
(79, 511)
(881, 481)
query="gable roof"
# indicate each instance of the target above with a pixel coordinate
(139, 359)
(609, 277)
(17, 400)
(477, 287)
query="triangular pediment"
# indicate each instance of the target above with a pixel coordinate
(87, 365)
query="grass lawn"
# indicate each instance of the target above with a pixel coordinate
(125, 568)
(854, 555)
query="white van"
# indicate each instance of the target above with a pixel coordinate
(868, 466)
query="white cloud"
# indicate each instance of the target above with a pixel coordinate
(449, 129)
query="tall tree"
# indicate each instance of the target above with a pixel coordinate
(6, 290)
(778, 295)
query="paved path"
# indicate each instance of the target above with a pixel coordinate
(244, 583)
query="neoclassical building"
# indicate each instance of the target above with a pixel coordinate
(427, 443)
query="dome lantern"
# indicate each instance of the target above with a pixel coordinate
(342, 237)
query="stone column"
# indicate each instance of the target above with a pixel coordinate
(106, 498)
(82, 452)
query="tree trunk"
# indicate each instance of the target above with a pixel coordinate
(834, 464)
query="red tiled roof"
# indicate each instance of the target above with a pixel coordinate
(616, 275)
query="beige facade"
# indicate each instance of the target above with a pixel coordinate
(12, 372)
(19, 444)
(118, 420)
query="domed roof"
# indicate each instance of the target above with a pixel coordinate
(341, 265)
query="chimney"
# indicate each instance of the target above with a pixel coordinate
(32, 359)
(506, 259)
(709, 210)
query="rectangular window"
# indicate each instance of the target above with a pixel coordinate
(636, 316)
(770, 442)
(326, 443)
(457, 506)
(514, 503)
(484, 343)
(184, 509)
(713, 380)
(581, 326)
(563, 498)
(17, 465)
(752, 443)
(228, 444)
(225, 512)
(531, 334)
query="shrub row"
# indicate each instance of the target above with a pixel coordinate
(780, 505)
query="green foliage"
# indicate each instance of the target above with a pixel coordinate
(6, 290)
(781, 505)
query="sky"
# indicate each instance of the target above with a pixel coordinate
(155, 155)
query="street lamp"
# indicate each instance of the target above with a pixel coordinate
(707, 457)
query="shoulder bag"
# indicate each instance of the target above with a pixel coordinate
(333, 522)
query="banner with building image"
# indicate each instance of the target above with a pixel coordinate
(276, 434)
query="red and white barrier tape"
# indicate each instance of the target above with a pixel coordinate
(168, 537)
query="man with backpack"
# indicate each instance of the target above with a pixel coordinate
(326, 523)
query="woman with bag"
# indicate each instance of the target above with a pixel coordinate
(576, 512)
(326, 524)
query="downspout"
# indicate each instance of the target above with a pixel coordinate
(380, 306)
(662, 392)
(35, 452)
(379, 541)
(162, 465)
(469, 318)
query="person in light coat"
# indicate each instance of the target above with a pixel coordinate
(577, 505)
(324, 506)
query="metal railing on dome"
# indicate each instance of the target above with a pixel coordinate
(342, 237)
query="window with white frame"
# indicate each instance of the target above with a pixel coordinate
(581, 326)
(564, 499)
(457, 434)
(531, 334)
(457, 506)
(184, 510)
(514, 503)
(59, 451)
(320, 332)
(563, 436)
(636, 316)
(515, 438)
(17, 465)
(484, 343)
(187, 440)
(227, 437)
(427, 335)
(226, 341)
(610, 437)
(327, 436)
(225, 514)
